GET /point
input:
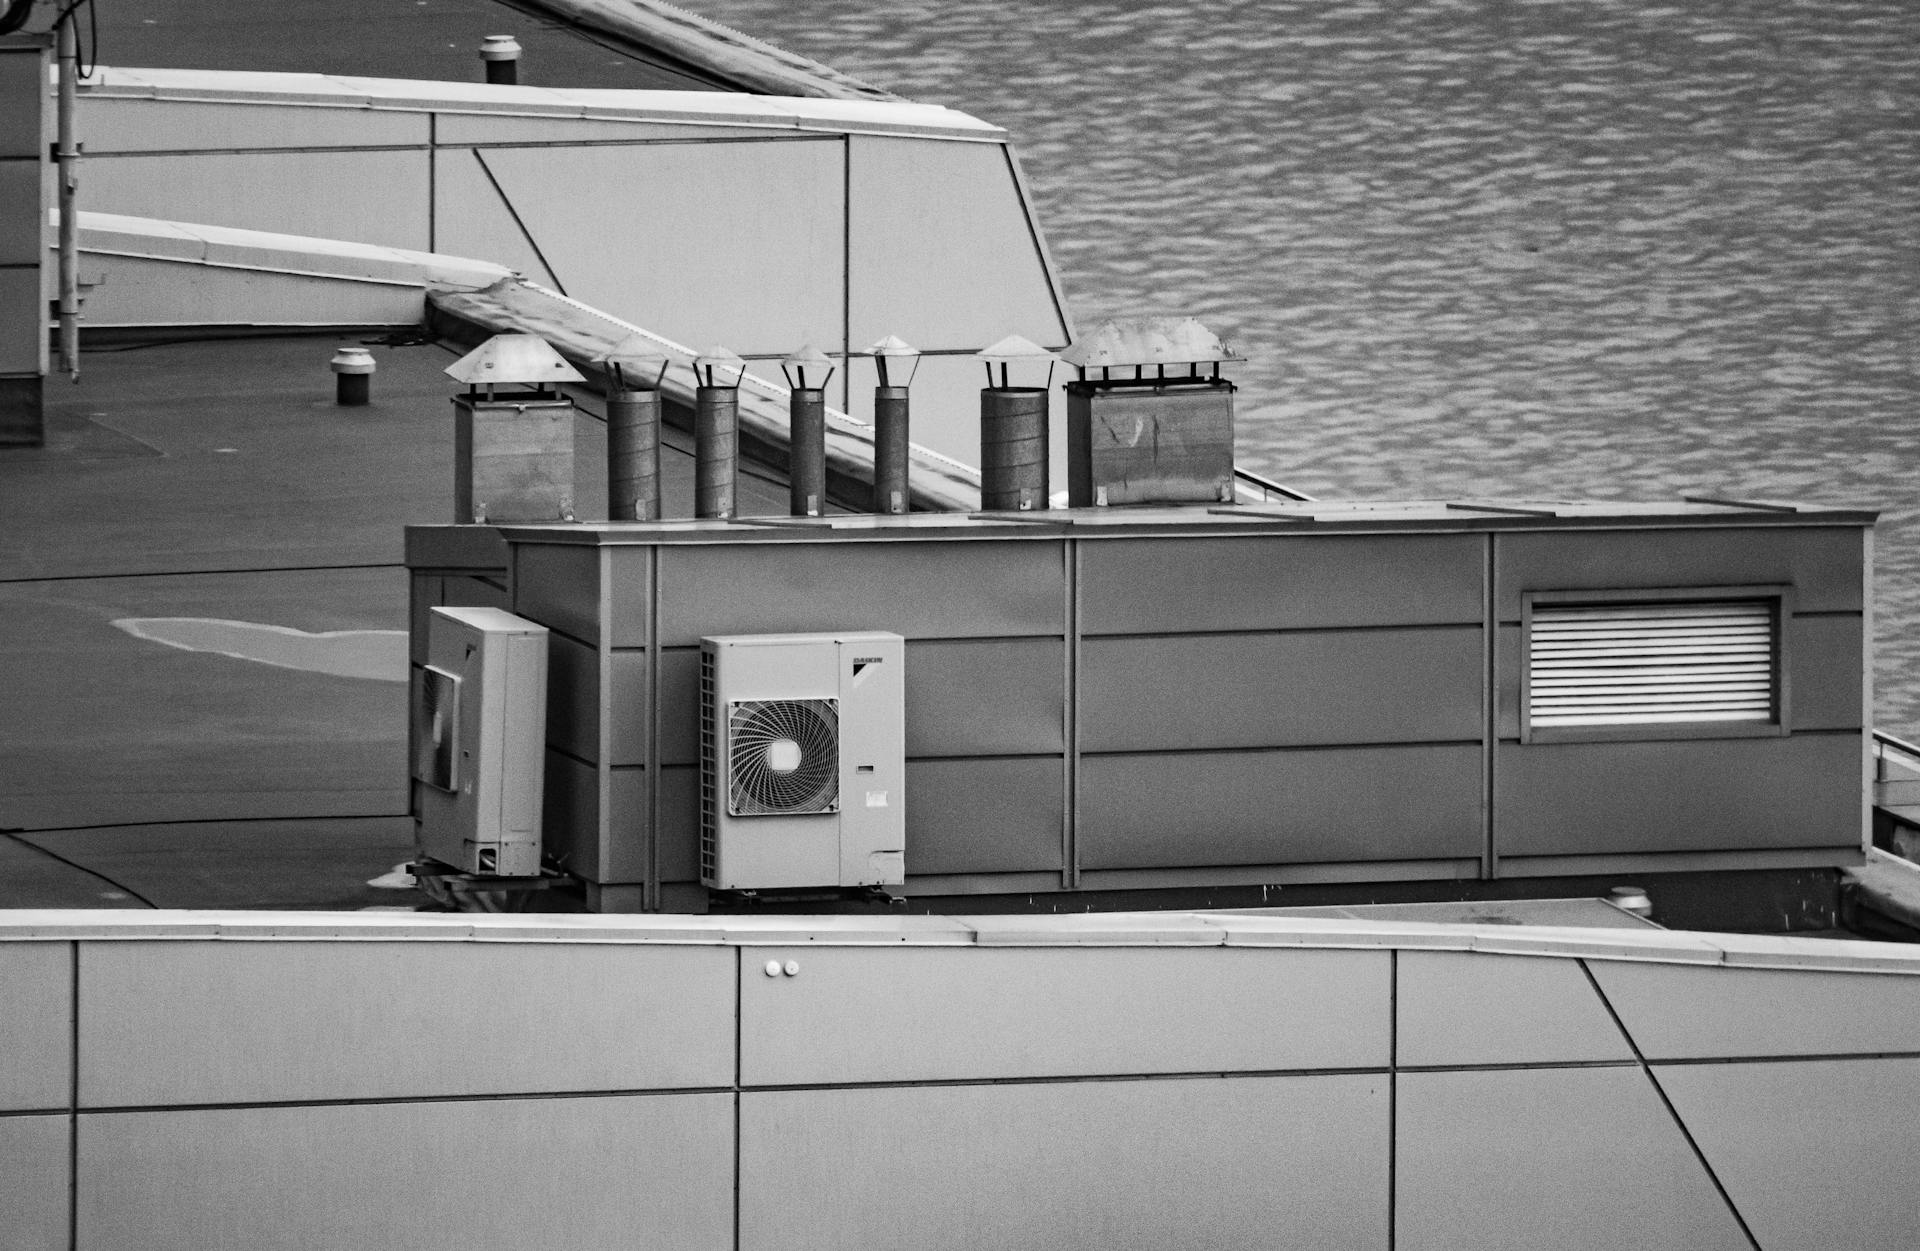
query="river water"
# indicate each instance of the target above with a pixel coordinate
(1586, 248)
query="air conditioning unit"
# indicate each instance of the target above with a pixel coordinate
(479, 741)
(802, 761)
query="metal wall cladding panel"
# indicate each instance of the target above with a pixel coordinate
(491, 1175)
(573, 697)
(111, 125)
(1680, 1012)
(1268, 1162)
(1813, 1153)
(702, 224)
(22, 332)
(986, 697)
(173, 1023)
(36, 1028)
(1826, 672)
(25, 117)
(1459, 1007)
(942, 251)
(21, 230)
(1583, 799)
(1274, 690)
(1578, 1159)
(1278, 582)
(139, 292)
(680, 705)
(679, 841)
(470, 218)
(627, 696)
(1280, 807)
(969, 1012)
(1822, 564)
(362, 197)
(426, 591)
(918, 590)
(570, 815)
(488, 128)
(559, 585)
(35, 1155)
(988, 815)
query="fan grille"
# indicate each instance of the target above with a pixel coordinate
(783, 757)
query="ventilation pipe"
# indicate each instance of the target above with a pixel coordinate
(635, 369)
(896, 362)
(1013, 426)
(352, 376)
(501, 55)
(807, 371)
(716, 433)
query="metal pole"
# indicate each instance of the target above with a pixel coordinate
(67, 154)
(890, 445)
(633, 455)
(716, 451)
(807, 452)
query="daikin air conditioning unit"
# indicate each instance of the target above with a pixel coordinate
(479, 741)
(802, 761)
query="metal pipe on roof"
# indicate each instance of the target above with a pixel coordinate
(66, 153)
(633, 455)
(892, 450)
(501, 55)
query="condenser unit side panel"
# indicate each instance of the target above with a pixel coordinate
(872, 760)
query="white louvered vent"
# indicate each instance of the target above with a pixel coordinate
(1645, 664)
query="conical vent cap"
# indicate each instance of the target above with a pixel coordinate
(507, 359)
(1125, 341)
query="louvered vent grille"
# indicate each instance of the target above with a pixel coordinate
(709, 771)
(1644, 664)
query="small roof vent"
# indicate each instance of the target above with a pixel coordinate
(513, 359)
(1128, 342)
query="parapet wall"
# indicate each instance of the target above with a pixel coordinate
(213, 1081)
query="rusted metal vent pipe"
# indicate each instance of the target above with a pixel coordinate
(896, 363)
(807, 371)
(634, 371)
(1013, 426)
(501, 55)
(716, 433)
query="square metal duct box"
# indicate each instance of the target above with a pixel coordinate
(1149, 445)
(513, 459)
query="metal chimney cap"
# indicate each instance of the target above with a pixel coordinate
(499, 48)
(808, 355)
(351, 359)
(892, 345)
(1015, 348)
(718, 356)
(1125, 341)
(642, 354)
(506, 359)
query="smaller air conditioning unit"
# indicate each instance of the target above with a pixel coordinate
(479, 741)
(802, 761)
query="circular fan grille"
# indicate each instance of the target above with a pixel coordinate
(783, 757)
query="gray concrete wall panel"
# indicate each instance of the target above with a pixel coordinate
(982, 281)
(187, 1023)
(1180, 586)
(1280, 807)
(742, 245)
(166, 293)
(1686, 795)
(919, 590)
(1826, 670)
(936, 1014)
(492, 1175)
(1822, 564)
(988, 697)
(363, 197)
(1251, 1162)
(558, 585)
(21, 223)
(20, 336)
(23, 80)
(1468, 1008)
(1676, 1012)
(115, 124)
(34, 1201)
(1581, 1159)
(36, 1026)
(470, 219)
(1814, 1153)
(1274, 690)
(985, 815)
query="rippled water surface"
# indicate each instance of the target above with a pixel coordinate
(1602, 248)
